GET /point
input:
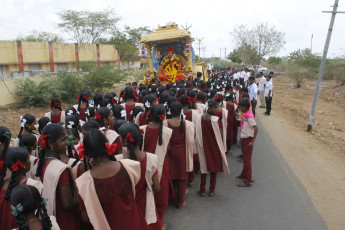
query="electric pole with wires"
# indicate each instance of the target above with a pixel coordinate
(322, 65)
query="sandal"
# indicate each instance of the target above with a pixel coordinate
(211, 194)
(244, 184)
(239, 177)
(202, 194)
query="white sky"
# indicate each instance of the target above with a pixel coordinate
(212, 20)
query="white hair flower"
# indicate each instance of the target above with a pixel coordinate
(147, 104)
(169, 113)
(37, 126)
(227, 95)
(109, 106)
(87, 112)
(123, 113)
(102, 129)
(23, 123)
(182, 112)
(71, 123)
(69, 113)
(131, 113)
(206, 106)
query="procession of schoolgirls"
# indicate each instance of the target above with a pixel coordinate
(118, 160)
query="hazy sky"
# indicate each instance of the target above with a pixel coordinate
(212, 20)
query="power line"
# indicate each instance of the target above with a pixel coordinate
(322, 65)
(199, 43)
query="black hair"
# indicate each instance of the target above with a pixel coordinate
(175, 110)
(134, 83)
(183, 99)
(245, 95)
(118, 124)
(94, 144)
(75, 133)
(244, 90)
(84, 97)
(211, 103)
(97, 100)
(42, 122)
(29, 197)
(172, 92)
(5, 139)
(218, 97)
(135, 133)
(160, 90)
(71, 111)
(251, 78)
(150, 98)
(131, 94)
(198, 74)
(229, 96)
(26, 120)
(72, 122)
(107, 103)
(117, 112)
(91, 124)
(157, 111)
(103, 113)
(169, 86)
(152, 88)
(55, 104)
(115, 99)
(12, 156)
(170, 100)
(90, 112)
(53, 132)
(28, 141)
(163, 98)
(136, 110)
(244, 103)
(143, 93)
(201, 96)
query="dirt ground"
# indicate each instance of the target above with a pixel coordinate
(316, 158)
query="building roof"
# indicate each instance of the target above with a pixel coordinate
(165, 33)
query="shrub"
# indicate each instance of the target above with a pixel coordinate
(68, 86)
(97, 79)
(32, 93)
(298, 74)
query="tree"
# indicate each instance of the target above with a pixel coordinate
(127, 42)
(274, 61)
(86, 26)
(249, 54)
(234, 56)
(263, 38)
(41, 36)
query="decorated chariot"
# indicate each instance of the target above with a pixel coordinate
(170, 55)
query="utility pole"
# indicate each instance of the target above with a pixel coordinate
(311, 43)
(225, 54)
(220, 53)
(203, 51)
(322, 66)
(199, 43)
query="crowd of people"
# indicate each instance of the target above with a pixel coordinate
(116, 161)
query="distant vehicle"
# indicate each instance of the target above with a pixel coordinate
(262, 69)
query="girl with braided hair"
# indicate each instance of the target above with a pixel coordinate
(210, 146)
(119, 112)
(149, 101)
(170, 100)
(56, 177)
(29, 142)
(97, 100)
(231, 107)
(56, 115)
(83, 104)
(135, 112)
(105, 119)
(107, 190)
(223, 117)
(5, 139)
(29, 209)
(28, 125)
(132, 138)
(156, 140)
(17, 160)
(201, 98)
(180, 152)
(131, 100)
(42, 122)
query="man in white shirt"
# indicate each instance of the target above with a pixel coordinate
(268, 94)
(246, 76)
(242, 75)
(253, 93)
(261, 89)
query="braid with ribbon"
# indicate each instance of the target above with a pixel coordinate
(15, 161)
(5, 140)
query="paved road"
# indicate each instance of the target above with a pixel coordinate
(277, 200)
